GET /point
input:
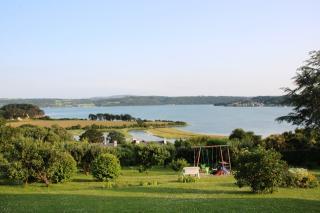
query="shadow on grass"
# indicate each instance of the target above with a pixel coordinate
(83, 180)
(94, 203)
(167, 190)
(230, 185)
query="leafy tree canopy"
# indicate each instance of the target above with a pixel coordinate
(14, 111)
(116, 136)
(305, 98)
(92, 135)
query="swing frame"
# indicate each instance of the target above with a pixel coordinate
(218, 148)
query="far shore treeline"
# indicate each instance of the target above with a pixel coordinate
(16, 111)
(152, 100)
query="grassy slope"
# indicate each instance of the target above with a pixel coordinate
(211, 194)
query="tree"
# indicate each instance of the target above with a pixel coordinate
(151, 155)
(14, 111)
(246, 139)
(305, 98)
(276, 142)
(141, 123)
(262, 170)
(116, 136)
(28, 160)
(106, 167)
(92, 117)
(92, 135)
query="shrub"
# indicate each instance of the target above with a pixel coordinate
(151, 155)
(93, 135)
(277, 142)
(127, 154)
(262, 170)
(247, 139)
(299, 177)
(106, 167)
(63, 168)
(179, 164)
(116, 136)
(31, 161)
(186, 179)
(77, 151)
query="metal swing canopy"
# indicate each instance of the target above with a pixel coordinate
(197, 154)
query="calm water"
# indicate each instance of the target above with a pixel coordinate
(142, 135)
(201, 118)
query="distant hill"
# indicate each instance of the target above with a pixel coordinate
(151, 100)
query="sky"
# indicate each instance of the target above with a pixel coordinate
(91, 48)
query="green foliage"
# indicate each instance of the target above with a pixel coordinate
(151, 155)
(30, 161)
(299, 148)
(85, 153)
(302, 178)
(141, 123)
(106, 167)
(62, 133)
(302, 139)
(127, 154)
(262, 170)
(276, 142)
(186, 179)
(93, 135)
(247, 139)
(52, 135)
(305, 98)
(2, 121)
(14, 111)
(116, 136)
(179, 164)
(307, 158)
(77, 151)
(63, 167)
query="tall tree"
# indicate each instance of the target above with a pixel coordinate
(305, 98)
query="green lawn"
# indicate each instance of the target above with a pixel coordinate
(210, 194)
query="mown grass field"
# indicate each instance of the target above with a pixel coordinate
(209, 194)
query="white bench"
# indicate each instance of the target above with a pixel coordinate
(195, 171)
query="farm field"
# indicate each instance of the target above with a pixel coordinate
(122, 126)
(209, 194)
(177, 133)
(82, 123)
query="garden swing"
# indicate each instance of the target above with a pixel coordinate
(219, 164)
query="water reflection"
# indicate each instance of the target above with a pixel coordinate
(141, 135)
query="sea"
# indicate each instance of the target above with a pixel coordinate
(206, 119)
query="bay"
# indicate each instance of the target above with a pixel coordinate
(206, 119)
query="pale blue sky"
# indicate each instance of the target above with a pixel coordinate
(73, 48)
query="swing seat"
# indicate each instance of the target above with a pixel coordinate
(195, 171)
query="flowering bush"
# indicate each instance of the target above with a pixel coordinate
(299, 177)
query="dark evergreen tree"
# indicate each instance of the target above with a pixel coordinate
(305, 98)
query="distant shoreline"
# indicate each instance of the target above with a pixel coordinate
(153, 101)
